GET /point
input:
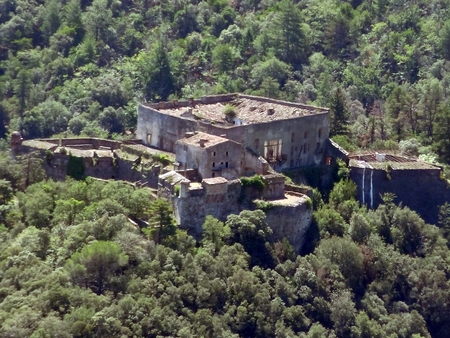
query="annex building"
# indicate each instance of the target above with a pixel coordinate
(234, 135)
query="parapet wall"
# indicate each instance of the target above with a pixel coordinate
(211, 99)
(93, 142)
(99, 159)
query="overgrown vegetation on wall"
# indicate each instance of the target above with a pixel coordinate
(255, 182)
(75, 167)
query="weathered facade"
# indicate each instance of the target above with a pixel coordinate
(285, 134)
(104, 159)
(211, 155)
(289, 214)
(416, 184)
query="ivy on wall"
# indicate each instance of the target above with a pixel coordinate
(75, 167)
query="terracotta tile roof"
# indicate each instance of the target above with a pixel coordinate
(208, 139)
(249, 110)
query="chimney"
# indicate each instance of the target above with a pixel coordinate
(175, 103)
(188, 134)
(202, 142)
(191, 101)
(223, 135)
(270, 111)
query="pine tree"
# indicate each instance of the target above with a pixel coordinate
(338, 113)
(291, 36)
(73, 19)
(160, 84)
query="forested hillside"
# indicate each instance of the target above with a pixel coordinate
(81, 66)
(73, 265)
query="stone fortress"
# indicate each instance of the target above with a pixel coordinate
(219, 139)
(283, 134)
(215, 141)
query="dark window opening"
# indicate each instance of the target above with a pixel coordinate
(226, 153)
(319, 133)
(214, 164)
(213, 174)
(293, 137)
(226, 164)
(214, 153)
(256, 145)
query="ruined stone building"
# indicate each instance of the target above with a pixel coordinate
(282, 134)
(416, 184)
(211, 155)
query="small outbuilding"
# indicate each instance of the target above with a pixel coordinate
(212, 156)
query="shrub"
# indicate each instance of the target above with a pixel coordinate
(255, 182)
(177, 190)
(164, 159)
(229, 111)
(263, 205)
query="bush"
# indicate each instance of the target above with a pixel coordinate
(229, 111)
(164, 159)
(263, 205)
(255, 182)
(409, 147)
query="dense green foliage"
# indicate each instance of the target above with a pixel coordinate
(72, 262)
(81, 66)
(74, 265)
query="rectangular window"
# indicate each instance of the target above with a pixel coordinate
(318, 149)
(272, 149)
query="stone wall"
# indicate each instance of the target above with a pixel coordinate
(303, 138)
(223, 198)
(161, 130)
(254, 164)
(191, 211)
(291, 222)
(421, 190)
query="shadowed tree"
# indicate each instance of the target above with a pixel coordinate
(95, 265)
(161, 222)
(338, 113)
